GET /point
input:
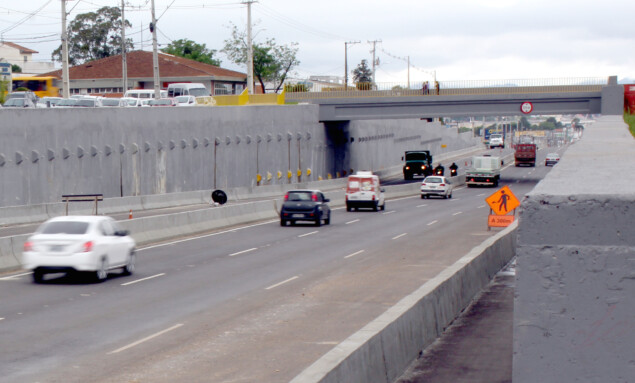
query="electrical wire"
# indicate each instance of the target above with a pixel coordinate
(26, 18)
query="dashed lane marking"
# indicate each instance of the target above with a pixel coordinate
(354, 254)
(243, 252)
(353, 221)
(304, 235)
(143, 279)
(282, 283)
(399, 236)
(146, 339)
(433, 222)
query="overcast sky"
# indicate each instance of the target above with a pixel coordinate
(459, 39)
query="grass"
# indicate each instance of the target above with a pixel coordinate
(630, 120)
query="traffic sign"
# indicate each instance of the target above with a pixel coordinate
(526, 107)
(500, 220)
(503, 201)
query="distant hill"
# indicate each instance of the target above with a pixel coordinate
(626, 81)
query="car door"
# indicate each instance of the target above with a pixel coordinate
(326, 209)
(115, 244)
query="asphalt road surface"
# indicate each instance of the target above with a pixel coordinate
(255, 303)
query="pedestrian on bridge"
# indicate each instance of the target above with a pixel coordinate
(425, 88)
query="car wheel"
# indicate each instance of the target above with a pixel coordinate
(318, 222)
(102, 273)
(375, 207)
(450, 196)
(38, 276)
(383, 207)
(327, 221)
(348, 208)
(283, 222)
(422, 196)
(129, 268)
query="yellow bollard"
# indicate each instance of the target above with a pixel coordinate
(308, 172)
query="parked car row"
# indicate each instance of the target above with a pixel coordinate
(22, 100)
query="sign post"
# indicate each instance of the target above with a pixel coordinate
(502, 203)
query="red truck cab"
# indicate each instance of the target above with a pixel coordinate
(525, 154)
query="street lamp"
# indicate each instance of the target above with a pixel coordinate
(346, 62)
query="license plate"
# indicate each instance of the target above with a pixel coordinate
(57, 247)
(298, 216)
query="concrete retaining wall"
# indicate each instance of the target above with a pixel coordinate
(574, 312)
(383, 349)
(123, 152)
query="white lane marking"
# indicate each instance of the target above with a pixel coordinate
(14, 276)
(304, 235)
(482, 194)
(208, 235)
(457, 213)
(389, 212)
(353, 221)
(480, 207)
(145, 339)
(354, 254)
(282, 283)
(424, 205)
(433, 222)
(399, 236)
(1, 318)
(142, 279)
(243, 252)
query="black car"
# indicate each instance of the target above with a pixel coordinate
(305, 205)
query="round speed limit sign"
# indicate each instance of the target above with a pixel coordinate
(526, 107)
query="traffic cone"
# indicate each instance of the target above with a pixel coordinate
(130, 214)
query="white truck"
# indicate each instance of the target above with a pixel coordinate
(485, 171)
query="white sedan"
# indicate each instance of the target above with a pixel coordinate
(68, 244)
(437, 186)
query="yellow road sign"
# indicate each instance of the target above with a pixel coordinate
(503, 201)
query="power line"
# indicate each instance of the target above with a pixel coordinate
(26, 18)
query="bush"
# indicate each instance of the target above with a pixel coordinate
(296, 88)
(630, 120)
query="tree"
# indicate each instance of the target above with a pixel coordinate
(550, 124)
(16, 68)
(193, 51)
(362, 74)
(272, 62)
(94, 35)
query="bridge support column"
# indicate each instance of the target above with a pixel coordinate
(612, 98)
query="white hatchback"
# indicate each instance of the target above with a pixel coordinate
(69, 244)
(437, 186)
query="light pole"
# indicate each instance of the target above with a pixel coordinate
(155, 55)
(66, 92)
(346, 62)
(250, 51)
(124, 64)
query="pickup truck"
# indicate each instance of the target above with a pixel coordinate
(485, 171)
(525, 154)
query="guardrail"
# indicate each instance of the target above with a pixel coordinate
(457, 88)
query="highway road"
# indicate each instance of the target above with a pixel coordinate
(256, 303)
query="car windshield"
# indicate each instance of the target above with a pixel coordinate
(85, 102)
(433, 180)
(183, 99)
(196, 92)
(15, 102)
(65, 227)
(299, 196)
(67, 102)
(110, 102)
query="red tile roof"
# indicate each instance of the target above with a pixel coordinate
(20, 47)
(140, 66)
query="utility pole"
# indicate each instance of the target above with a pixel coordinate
(155, 55)
(124, 64)
(250, 51)
(66, 92)
(346, 61)
(374, 42)
(408, 72)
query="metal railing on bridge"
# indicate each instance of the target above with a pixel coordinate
(453, 88)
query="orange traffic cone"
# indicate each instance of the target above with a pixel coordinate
(130, 214)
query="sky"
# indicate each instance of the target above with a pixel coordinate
(456, 40)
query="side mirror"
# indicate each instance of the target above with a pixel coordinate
(327, 200)
(382, 190)
(122, 233)
(402, 158)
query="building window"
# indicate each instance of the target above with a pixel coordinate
(26, 58)
(222, 88)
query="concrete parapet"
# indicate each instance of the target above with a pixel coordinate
(383, 349)
(575, 273)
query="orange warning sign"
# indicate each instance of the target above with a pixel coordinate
(503, 201)
(500, 220)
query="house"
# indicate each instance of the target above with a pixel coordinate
(15, 54)
(104, 76)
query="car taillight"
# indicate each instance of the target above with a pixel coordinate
(423, 184)
(314, 197)
(87, 247)
(286, 197)
(407, 167)
(442, 185)
(346, 197)
(373, 197)
(28, 246)
(423, 167)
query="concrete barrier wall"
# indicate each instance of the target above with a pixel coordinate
(123, 152)
(383, 349)
(574, 311)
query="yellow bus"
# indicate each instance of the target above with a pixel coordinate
(41, 86)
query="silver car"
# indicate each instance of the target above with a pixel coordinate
(436, 186)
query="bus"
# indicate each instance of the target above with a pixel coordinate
(41, 86)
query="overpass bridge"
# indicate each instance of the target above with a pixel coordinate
(475, 98)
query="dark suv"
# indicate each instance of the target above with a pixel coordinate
(305, 205)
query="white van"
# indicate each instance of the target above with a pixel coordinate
(363, 190)
(144, 93)
(187, 89)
